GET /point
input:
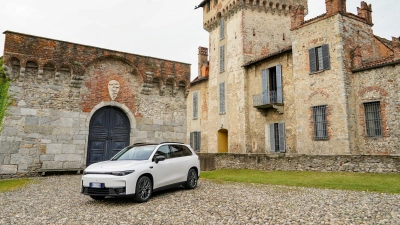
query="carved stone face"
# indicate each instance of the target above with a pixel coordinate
(113, 89)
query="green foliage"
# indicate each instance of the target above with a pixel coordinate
(4, 98)
(384, 183)
(9, 185)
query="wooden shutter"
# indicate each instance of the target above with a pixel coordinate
(282, 143)
(272, 137)
(191, 139)
(195, 104)
(313, 60)
(279, 90)
(222, 58)
(221, 29)
(265, 96)
(325, 57)
(198, 141)
(222, 97)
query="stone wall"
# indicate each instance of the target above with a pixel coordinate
(56, 87)
(336, 163)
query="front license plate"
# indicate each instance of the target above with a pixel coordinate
(96, 185)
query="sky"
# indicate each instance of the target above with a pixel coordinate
(166, 29)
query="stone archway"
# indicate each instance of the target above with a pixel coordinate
(109, 132)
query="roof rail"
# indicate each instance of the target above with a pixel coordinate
(143, 143)
(171, 142)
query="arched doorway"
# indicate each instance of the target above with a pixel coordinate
(109, 130)
(223, 140)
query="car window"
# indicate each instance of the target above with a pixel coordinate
(135, 153)
(179, 151)
(164, 151)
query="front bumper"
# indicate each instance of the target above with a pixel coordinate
(112, 185)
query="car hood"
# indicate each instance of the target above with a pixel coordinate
(110, 166)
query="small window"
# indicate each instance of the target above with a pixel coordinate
(164, 151)
(373, 119)
(195, 104)
(320, 123)
(319, 58)
(195, 140)
(222, 58)
(222, 29)
(277, 137)
(222, 98)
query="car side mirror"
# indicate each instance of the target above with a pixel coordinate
(160, 158)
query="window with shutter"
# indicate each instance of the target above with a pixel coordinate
(319, 58)
(222, 98)
(277, 137)
(222, 29)
(195, 104)
(222, 58)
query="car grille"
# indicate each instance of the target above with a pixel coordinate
(104, 191)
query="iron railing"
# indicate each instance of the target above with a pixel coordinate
(268, 98)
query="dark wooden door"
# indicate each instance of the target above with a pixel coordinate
(108, 134)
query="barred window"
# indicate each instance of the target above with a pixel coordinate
(373, 119)
(320, 123)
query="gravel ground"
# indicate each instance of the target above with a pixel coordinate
(56, 200)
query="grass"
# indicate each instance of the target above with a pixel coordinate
(383, 183)
(4, 98)
(9, 185)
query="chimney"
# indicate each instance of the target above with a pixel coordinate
(335, 6)
(396, 48)
(203, 62)
(365, 12)
(297, 16)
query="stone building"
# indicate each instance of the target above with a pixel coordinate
(279, 84)
(73, 105)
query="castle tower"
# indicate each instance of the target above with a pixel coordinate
(240, 31)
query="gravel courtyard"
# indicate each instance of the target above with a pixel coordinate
(56, 200)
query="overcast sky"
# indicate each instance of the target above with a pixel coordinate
(168, 29)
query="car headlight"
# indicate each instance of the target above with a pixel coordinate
(122, 173)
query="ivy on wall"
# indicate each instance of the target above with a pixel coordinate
(4, 84)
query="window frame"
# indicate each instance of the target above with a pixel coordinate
(371, 122)
(195, 140)
(320, 127)
(317, 55)
(277, 137)
(222, 29)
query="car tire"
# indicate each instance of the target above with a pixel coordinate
(144, 189)
(192, 179)
(95, 197)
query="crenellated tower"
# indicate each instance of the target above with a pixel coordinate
(240, 31)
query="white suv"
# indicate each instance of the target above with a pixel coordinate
(140, 169)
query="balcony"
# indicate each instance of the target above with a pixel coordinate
(271, 99)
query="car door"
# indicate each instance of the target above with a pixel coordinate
(164, 169)
(181, 162)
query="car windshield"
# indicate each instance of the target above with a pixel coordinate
(135, 153)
